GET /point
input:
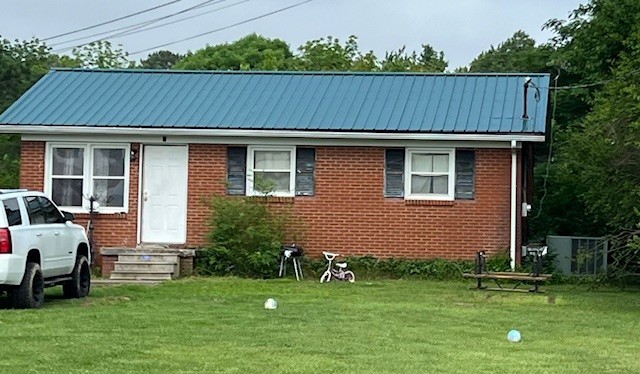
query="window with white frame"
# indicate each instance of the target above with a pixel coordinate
(77, 171)
(430, 174)
(271, 170)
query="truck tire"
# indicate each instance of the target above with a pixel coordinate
(30, 293)
(80, 283)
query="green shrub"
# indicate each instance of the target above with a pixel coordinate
(368, 267)
(245, 239)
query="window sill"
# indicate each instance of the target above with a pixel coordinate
(430, 202)
(274, 199)
(85, 214)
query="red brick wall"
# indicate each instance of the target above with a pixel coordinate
(110, 230)
(207, 176)
(348, 214)
(32, 165)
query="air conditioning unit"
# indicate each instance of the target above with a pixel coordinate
(579, 255)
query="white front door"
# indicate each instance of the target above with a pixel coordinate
(164, 195)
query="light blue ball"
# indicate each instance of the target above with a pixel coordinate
(514, 336)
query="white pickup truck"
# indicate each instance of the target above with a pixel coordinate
(40, 246)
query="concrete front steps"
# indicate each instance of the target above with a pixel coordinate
(146, 265)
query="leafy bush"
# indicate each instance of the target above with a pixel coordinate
(245, 239)
(624, 259)
(368, 267)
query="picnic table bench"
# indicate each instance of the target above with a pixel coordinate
(536, 276)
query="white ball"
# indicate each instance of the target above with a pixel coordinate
(514, 336)
(270, 304)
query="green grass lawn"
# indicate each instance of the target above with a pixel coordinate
(219, 325)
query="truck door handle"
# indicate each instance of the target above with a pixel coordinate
(38, 234)
(56, 233)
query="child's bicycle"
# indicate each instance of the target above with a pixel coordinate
(337, 274)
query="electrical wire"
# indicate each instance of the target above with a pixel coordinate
(599, 83)
(139, 27)
(550, 154)
(131, 32)
(222, 28)
(555, 89)
(111, 21)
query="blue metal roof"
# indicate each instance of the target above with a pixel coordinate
(313, 101)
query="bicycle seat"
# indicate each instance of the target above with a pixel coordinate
(341, 265)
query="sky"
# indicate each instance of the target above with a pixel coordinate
(460, 28)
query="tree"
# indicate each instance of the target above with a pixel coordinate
(22, 63)
(611, 144)
(594, 35)
(519, 53)
(594, 179)
(253, 52)
(327, 54)
(160, 60)
(429, 60)
(97, 55)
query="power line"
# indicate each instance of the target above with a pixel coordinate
(135, 28)
(126, 33)
(111, 21)
(141, 27)
(599, 83)
(550, 154)
(222, 28)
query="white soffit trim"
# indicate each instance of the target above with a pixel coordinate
(180, 140)
(44, 133)
(84, 130)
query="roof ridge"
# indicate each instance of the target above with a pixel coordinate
(293, 72)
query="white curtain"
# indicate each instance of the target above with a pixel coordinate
(429, 184)
(273, 166)
(108, 163)
(101, 169)
(429, 163)
(272, 160)
(67, 162)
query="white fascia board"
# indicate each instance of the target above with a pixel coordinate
(44, 133)
(181, 140)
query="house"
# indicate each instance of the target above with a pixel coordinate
(386, 164)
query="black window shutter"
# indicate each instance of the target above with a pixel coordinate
(305, 171)
(393, 173)
(465, 174)
(236, 170)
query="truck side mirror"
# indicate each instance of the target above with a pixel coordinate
(68, 216)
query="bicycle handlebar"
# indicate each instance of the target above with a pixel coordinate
(330, 256)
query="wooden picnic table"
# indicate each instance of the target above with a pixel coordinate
(535, 276)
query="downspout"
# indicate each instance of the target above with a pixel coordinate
(514, 176)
